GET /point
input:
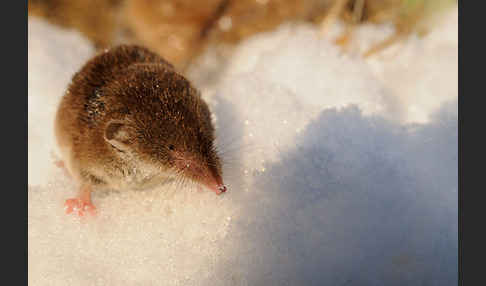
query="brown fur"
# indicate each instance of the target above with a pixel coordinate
(126, 110)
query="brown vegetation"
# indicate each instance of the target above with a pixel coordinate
(179, 29)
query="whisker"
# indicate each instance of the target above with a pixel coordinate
(230, 141)
(244, 146)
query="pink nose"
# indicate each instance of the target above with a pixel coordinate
(222, 188)
(218, 189)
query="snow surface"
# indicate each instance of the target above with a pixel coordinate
(341, 171)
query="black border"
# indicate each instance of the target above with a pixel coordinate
(471, 53)
(14, 139)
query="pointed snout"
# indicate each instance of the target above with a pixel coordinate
(206, 174)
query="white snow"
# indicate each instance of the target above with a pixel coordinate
(341, 171)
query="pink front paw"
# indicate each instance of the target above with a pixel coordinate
(79, 206)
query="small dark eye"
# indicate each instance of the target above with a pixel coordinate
(171, 147)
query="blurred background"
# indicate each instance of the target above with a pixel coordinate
(180, 30)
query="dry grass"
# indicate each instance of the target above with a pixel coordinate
(180, 29)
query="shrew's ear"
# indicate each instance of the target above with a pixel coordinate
(118, 134)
